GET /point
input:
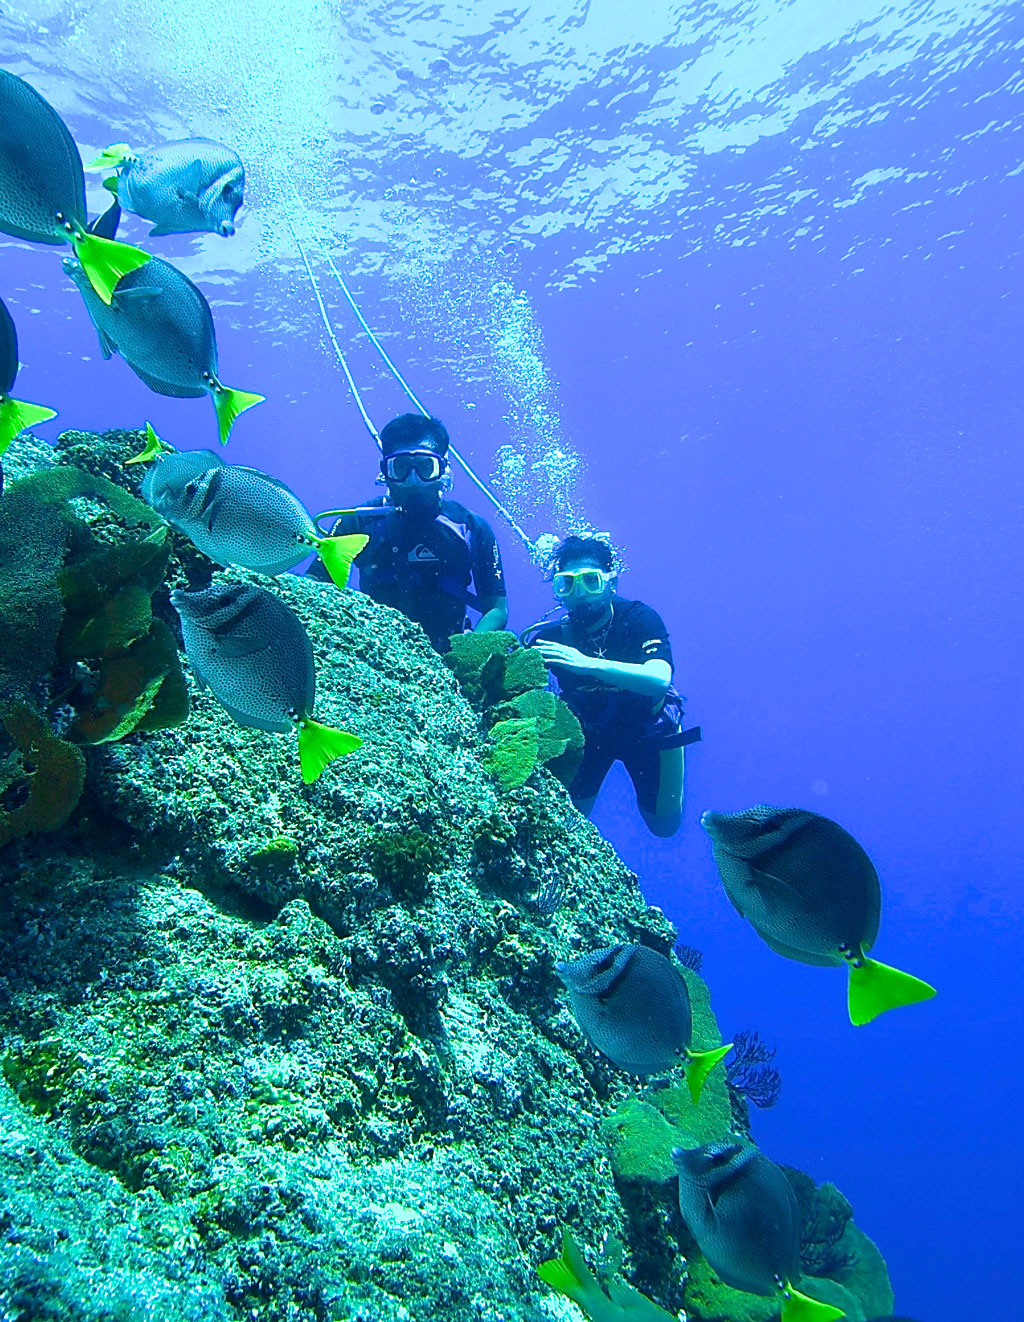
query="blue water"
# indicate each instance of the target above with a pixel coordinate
(741, 284)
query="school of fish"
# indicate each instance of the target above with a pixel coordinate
(806, 886)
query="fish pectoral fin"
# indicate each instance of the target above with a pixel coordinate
(797, 1307)
(137, 294)
(319, 745)
(875, 988)
(107, 346)
(231, 649)
(16, 415)
(699, 1065)
(337, 554)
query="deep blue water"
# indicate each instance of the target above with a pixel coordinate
(757, 266)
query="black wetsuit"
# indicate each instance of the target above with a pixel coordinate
(620, 726)
(430, 568)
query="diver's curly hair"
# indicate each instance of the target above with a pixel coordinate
(575, 547)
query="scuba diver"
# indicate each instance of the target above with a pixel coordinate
(425, 552)
(613, 666)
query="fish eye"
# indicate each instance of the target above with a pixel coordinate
(228, 192)
(191, 488)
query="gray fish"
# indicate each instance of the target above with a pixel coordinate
(15, 415)
(240, 516)
(190, 187)
(742, 1212)
(161, 325)
(42, 188)
(633, 1005)
(255, 655)
(812, 894)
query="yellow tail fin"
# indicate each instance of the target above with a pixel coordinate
(569, 1274)
(337, 553)
(699, 1065)
(797, 1307)
(111, 156)
(105, 261)
(229, 404)
(876, 987)
(319, 745)
(154, 446)
(15, 416)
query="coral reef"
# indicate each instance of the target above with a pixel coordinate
(750, 1071)
(507, 685)
(273, 1051)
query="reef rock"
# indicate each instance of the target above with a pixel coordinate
(275, 1051)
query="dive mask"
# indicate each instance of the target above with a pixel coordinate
(588, 582)
(400, 467)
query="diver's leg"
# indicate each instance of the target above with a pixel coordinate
(586, 784)
(659, 790)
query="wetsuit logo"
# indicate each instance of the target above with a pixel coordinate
(421, 553)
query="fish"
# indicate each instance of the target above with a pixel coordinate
(15, 414)
(812, 894)
(195, 186)
(252, 651)
(741, 1210)
(241, 516)
(633, 1005)
(570, 1275)
(42, 187)
(161, 325)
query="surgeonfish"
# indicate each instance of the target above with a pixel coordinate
(240, 516)
(162, 326)
(256, 657)
(812, 894)
(570, 1275)
(42, 188)
(189, 187)
(15, 415)
(742, 1212)
(633, 1005)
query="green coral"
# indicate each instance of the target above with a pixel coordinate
(44, 772)
(404, 860)
(40, 1073)
(507, 684)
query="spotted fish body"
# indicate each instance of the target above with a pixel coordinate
(42, 187)
(188, 187)
(633, 1005)
(40, 168)
(252, 651)
(742, 1212)
(812, 894)
(803, 882)
(161, 325)
(233, 514)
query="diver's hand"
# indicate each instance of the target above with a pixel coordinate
(568, 658)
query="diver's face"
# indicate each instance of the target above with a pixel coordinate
(415, 480)
(584, 589)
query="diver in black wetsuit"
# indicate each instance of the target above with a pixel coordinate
(428, 557)
(613, 666)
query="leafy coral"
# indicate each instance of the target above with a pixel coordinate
(507, 685)
(44, 772)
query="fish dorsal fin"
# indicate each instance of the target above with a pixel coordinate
(136, 294)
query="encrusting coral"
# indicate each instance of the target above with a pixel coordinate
(274, 1051)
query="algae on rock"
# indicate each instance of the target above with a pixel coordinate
(308, 1042)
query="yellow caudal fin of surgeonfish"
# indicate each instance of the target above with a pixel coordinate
(875, 987)
(319, 745)
(105, 261)
(337, 553)
(111, 157)
(154, 446)
(229, 404)
(797, 1307)
(15, 416)
(569, 1274)
(699, 1065)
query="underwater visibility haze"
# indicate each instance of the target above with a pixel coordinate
(734, 286)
